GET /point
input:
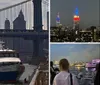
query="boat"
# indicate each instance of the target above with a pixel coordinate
(11, 67)
(92, 65)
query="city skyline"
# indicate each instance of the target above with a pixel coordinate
(27, 9)
(75, 52)
(88, 12)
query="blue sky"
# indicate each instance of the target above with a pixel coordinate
(75, 52)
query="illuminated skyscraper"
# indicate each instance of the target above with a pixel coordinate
(57, 20)
(76, 19)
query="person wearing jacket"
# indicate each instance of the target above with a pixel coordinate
(64, 77)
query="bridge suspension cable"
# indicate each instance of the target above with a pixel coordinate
(2, 9)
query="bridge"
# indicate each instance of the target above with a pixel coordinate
(26, 34)
(28, 20)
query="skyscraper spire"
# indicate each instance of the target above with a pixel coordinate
(76, 11)
(76, 15)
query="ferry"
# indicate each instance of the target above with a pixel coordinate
(92, 65)
(11, 67)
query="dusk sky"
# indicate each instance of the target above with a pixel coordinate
(88, 11)
(75, 52)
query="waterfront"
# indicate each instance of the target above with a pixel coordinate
(35, 75)
(83, 76)
(29, 71)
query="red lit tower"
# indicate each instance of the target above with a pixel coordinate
(76, 19)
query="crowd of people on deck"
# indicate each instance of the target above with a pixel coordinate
(63, 76)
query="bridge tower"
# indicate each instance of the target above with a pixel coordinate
(38, 36)
(38, 42)
(37, 15)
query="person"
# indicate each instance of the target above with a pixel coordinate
(80, 75)
(52, 72)
(97, 77)
(64, 77)
(25, 81)
(57, 70)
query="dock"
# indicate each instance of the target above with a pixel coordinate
(41, 76)
(35, 75)
(28, 74)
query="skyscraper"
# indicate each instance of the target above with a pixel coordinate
(7, 24)
(19, 23)
(76, 19)
(58, 20)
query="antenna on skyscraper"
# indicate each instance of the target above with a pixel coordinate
(76, 11)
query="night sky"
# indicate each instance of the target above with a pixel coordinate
(88, 11)
(75, 52)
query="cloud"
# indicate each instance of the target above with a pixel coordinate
(91, 52)
(79, 52)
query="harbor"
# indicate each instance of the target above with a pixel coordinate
(83, 76)
(82, 61)
(34, 72)
(35, 75)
